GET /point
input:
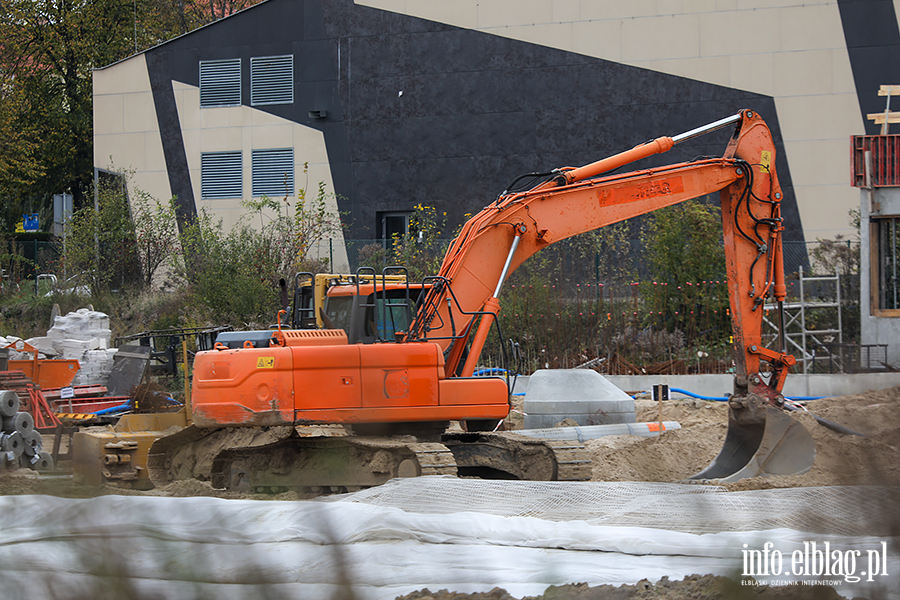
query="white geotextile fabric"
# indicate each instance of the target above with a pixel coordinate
(133, 546)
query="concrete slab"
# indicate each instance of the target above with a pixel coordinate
(579, 394)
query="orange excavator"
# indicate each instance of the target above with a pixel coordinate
(252, 405)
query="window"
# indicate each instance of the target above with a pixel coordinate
(885, 270)
(273, 172)
(220, 83)
(221, 175)
(271, 80)
(392, 226)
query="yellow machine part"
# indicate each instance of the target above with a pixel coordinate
(118, 456)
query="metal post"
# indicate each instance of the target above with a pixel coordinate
(803, 323)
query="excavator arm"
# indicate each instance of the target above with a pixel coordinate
(575, 201)
(761, 438)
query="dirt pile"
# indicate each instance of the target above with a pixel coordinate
(696, 587)
(841, 459)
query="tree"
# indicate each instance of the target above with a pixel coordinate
(99, 248)
(48, 50)
(19, 143)
(156, 234)
(236, 274)
(177, 17)
(685, 256)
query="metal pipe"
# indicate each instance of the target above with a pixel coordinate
(657, 146)
(689, 135)
(508, 262)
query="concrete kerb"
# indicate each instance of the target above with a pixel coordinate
(719, 385)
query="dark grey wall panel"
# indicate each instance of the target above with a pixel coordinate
(476, 110)
(172, 140)
(873, 44)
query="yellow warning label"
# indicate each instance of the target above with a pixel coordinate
(265, 362)
(765, 159)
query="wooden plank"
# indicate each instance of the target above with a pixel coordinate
(893, 90)
(894, 117)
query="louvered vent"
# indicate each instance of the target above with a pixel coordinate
(220, 83)
(271, 80)
(273, 172)
(221, 175)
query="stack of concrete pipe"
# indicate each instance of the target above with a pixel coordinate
(21, 447)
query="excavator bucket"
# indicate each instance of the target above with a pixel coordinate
(761, 441)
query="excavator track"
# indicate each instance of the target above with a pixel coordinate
(189, 453)
(322, 465)
(511, 456)
(279, 459)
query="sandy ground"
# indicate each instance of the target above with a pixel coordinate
(871, 459)
(841, 459)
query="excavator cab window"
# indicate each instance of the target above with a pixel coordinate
(390, 314)
(340, 310)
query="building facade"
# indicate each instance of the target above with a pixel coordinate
(395, 103)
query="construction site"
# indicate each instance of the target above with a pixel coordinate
(361, 448)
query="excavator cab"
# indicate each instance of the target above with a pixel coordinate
(370, 317)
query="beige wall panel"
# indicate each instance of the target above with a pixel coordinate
(124, 77)
(804, 73)
(192, 144)
(134, 145)
(508, 13)
(676, 36)
(757, 4)
(752, 72)
(461, 14)
(668, 7)
(153, 153)
(726, 4)
(214, 117)
(187, 100)
(564, 11)
(842, 74)
(598, 38)
(239, 118)
(826, 117)
(120, 152)
(109, 114)
(592, 9)
(139, 112)
(741, 32)
(123, 101)
(810, 28)
(699, 6)
(272, 136)
(824, 210)
(154, 183)
(820, 162)
(216, 140)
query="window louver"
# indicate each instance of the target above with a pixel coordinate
(221, 175)
(220, 83)
(271, 80)
(273, 172)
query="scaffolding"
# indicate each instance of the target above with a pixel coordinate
(801, 340)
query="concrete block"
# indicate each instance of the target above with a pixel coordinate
(579, 394)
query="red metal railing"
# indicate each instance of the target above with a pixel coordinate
(885, 151)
